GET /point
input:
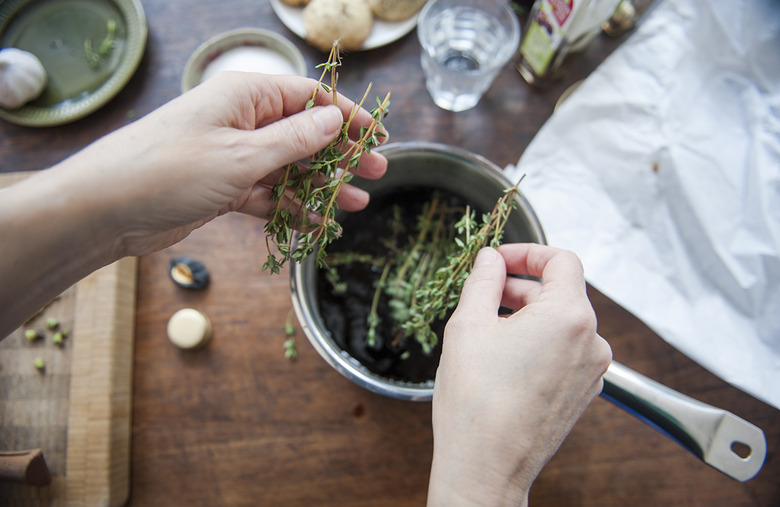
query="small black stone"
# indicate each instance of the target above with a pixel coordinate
(188, 273)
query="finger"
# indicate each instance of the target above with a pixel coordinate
(259, 205)
(272, 178)
(281, 96)
(483, 289)
(361, 117)
(295, 92)
(349, 198)
(290, 139)
(287, 95)
(371, 165)
(519, 292)
(557, 268)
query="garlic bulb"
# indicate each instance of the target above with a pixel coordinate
(22, 77)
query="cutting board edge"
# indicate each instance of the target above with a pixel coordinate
(105, 481)
(99, 421)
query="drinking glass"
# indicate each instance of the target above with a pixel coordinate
(464, 45)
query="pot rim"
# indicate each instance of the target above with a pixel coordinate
(338, 358)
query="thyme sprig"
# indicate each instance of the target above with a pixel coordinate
(314, 186)
(422, 275)
(441, 292)
(413, 264)
(106, 46)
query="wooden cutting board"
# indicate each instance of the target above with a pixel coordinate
(78, 409)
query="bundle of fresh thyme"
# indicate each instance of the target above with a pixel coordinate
(441, 292)
(422, 275)
(313, 186)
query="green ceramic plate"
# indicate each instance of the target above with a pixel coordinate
(89, 48)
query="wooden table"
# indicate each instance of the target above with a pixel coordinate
(238, 424)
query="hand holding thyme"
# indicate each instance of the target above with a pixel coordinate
(314, 186)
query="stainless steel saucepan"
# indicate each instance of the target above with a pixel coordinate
(719, 438)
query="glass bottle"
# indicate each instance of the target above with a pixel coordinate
(625, 16)
(556, 28)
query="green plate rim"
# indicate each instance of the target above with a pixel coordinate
(62, 113)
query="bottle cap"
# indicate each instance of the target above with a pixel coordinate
(189, 329)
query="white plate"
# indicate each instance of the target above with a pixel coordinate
(383, 32)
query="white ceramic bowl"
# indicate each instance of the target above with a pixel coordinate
(261, 51)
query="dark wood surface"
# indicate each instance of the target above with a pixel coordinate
(238, 424)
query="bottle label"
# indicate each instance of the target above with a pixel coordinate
(545, 33)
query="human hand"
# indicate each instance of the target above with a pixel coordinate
(509, 389)
(215, 149)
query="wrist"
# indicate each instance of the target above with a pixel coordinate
(99, 188)
(82, 213)
(463, 482)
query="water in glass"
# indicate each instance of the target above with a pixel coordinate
(463, 55)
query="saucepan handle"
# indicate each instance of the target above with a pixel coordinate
(717, 437)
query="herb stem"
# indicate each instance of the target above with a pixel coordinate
(334, 165)
(351, 152)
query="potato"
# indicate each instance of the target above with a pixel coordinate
(395, 10)
(350, 21)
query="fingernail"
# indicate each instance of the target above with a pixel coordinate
(485, 257)
(328, 119)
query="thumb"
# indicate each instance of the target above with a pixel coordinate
(296, 137)
(483, 289)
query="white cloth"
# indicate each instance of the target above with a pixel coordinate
(662, 171)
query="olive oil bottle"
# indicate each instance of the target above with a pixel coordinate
(556, 29)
